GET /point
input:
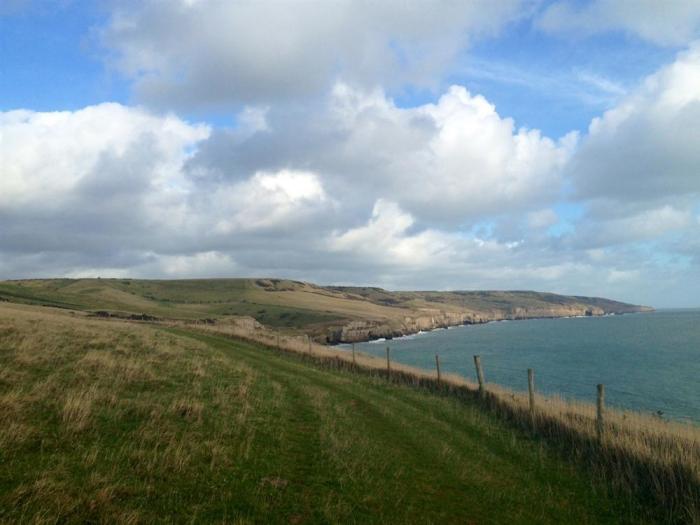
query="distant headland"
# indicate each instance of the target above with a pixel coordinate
(329, 314)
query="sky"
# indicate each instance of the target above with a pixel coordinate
(546, 145)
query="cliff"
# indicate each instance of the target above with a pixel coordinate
(553, 306)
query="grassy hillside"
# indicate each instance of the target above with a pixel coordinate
(295, 306)
(107, 421)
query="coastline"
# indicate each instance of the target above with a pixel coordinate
(409, 334)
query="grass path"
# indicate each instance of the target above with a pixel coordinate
(107, 422)
(361, 449)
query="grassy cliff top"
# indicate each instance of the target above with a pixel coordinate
(104, 421)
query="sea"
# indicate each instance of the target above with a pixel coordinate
(648, 362)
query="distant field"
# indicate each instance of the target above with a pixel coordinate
(295, 306)
(107, 421)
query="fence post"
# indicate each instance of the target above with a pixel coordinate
(388, 361)
(600, 416)
(479, 375)
(309, 338)
(531, 392)
(437, 366)
(353, 354)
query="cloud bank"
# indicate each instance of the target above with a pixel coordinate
(324, 176)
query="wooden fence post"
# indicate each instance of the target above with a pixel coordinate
(309, 338)
(531, 392)
(437, 366)
(353, 354)
(479, 375)
(600, 416)
(388, 361)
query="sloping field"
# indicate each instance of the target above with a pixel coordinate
(107, 421)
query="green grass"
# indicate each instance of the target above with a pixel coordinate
(114, 422)
(184, 299)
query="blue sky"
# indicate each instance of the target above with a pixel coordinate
(53, 60)
(301, 142)
(50, 61)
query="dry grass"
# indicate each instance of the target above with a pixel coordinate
(640, 455)
(77, 408)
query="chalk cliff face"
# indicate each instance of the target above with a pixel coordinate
(358, 331)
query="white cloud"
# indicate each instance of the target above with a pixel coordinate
(268, 200)
(210, 264)
(392, 242)
(204, 265)
(447, 162)
(212, 52)
(668, 22)
(478, 160)
(647, 146)
(386, 238)
(49, 156)
(106, 187)
(616, 276)
(645, 225)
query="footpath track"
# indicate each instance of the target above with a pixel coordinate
(352, 448)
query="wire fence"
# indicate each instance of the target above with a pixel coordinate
(567, 388)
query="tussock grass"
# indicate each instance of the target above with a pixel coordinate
(77, 408)
(644, 457)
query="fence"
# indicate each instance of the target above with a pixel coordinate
(655, 460)
(658, 406)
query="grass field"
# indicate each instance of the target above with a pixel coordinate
(114, 422)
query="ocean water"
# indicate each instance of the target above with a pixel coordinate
(648, 362)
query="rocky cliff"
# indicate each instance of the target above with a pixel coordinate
(367, 330)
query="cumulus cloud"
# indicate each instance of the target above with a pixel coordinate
(636, 175)
(647, 146)
(105, 187)
(479, 161)
(458, 152)
(267, 201)
(672, 22)
(114, 190)
(389, 228)
(47, 156)
(358, 191)
(99, 186)
(213, 52)
(395, 248)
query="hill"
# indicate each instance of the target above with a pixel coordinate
(328, 313)
(105, 421)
